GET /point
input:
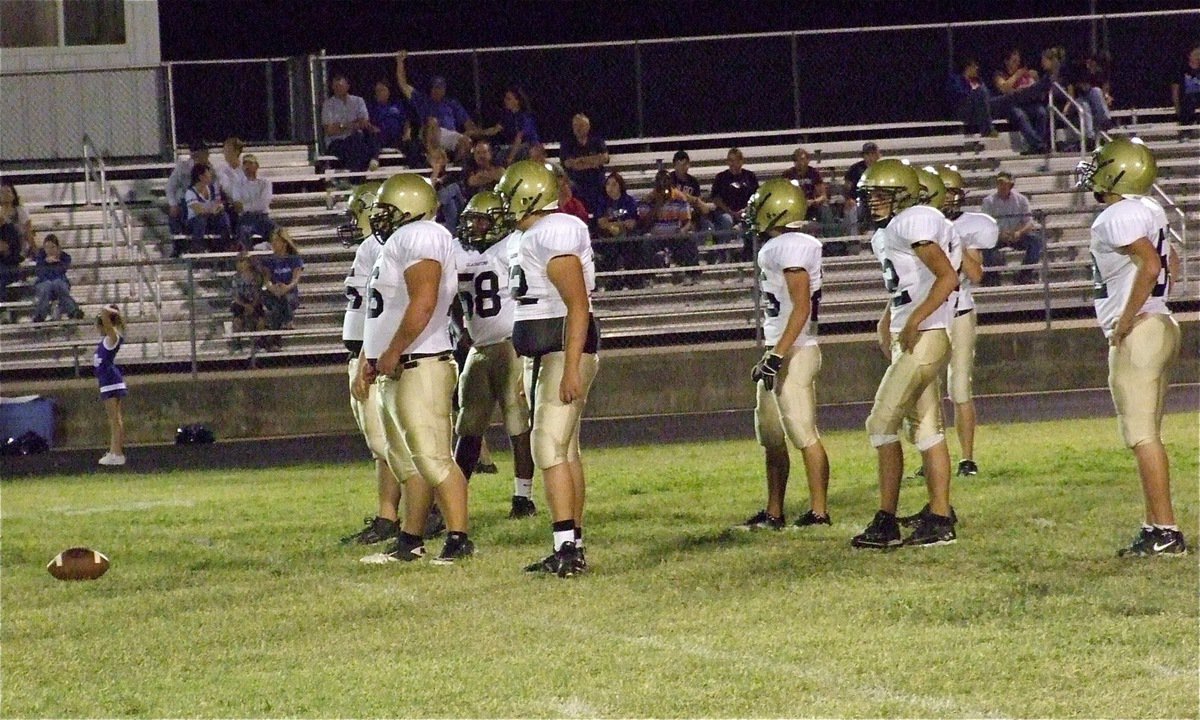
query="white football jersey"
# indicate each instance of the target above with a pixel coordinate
(906, 277)
(529, 253)
(387, 292)
(483, 293)
(1117, 227)
(356, 289)
(977, 231)
(784, 252)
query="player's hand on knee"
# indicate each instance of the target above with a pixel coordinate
(767, 369)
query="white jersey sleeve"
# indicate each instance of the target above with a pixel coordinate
(907, 277)
(789, 251)
(977, 232)
(388, 296)
(483, 293)
(552, 236)
(1113, 273)
(356, 289)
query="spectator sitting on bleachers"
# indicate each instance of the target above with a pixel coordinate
(731, 189)
(617, 217)
(15, 216)
(1017, 228)
(480, 172)
(813, 185)
(10, 259)
(252, 202)
(246, 299)
(584, 155)
(516, 130)
(702, 210)
(1088, 87)
(567, 201)
(282, 270)
(666, 211)
(449, 187)
(207, 223)
(388, 127)
(230, 175)
(455, 127)
(1185, 88)
(345, 119)
(52, 284)
(1023, 103)
(870, 154)
(178, 183)
(970, 99)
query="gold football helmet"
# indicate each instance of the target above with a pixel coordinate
(402, 199)
(933, 191)
(1123, 166)
(956, 190)
(887, 187)
(358, 214)
(778, 203)
(527, 187)
(483, 222)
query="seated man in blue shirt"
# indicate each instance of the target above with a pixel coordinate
(388, 127)
(454, 127)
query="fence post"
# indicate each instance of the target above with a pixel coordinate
(1041, 220)
(952, 66)
(291, 99)
(759, 335)
(795, 80)
(316, 64)
(269, 76)
(637, 83)
(171, 108)
(191, 280)
(478, 84)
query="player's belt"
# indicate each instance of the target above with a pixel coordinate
(960, 313)
(408, 362)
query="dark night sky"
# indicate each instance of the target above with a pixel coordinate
(210, 29)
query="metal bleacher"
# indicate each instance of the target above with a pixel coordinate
(177, 310)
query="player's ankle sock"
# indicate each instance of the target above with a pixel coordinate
(578, 536)
(564, 532)
(1165, 527)
(456, 536)
(522, 487)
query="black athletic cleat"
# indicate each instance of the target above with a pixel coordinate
(482, 468)
(1151, 542)
(377, 530)
(521, 507)
(811, 518)
(967, 468)
(457, 547)
(909, 521)
(881, 534)
(399, 551)
(435, 524)
(761, 521)
(932, 530)
(565, 562)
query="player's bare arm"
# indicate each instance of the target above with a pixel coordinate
(972, 265)
(566, 274)
(363, 378)
(422, 280)
(945, 280)
(799, 289)
(1149, 265)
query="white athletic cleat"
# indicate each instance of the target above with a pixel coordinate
(110, 459)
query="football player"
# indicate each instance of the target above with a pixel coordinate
(1131, 262)
(492, 372)
(551, 277)
(407, 353)
(790, 272)
(915, 241)
(977, 232)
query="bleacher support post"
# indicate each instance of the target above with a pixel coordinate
(191, 279)
(1040, 217)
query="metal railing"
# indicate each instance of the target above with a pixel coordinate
(1054, 112)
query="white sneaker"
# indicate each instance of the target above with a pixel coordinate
(110, 459)
(373, 165)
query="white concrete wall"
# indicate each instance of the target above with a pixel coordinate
(49, 97)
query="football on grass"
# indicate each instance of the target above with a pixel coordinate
(78, 563)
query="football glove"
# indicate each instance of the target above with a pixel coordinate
(766, 369)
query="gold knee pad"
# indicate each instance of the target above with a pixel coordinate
(905, 379)
(555, 436)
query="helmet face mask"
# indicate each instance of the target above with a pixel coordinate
(777, 204)
(1121, 167)
(887, 187)
(483, 222)
(956, 193)
(404, 198)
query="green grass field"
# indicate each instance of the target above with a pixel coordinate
(229, 596)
